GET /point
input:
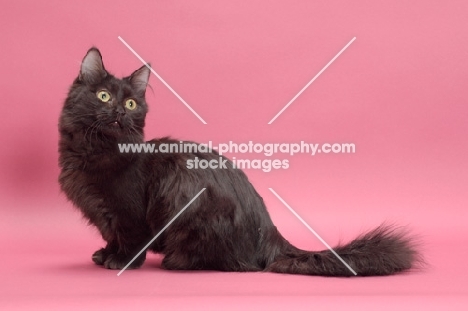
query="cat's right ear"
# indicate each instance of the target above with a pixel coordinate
(92, 69)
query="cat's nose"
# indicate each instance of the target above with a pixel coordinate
(120, 110)
(120, 115)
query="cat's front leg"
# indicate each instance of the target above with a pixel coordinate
(123, 244)
(119, 261)
(100, 256)
(112, 258)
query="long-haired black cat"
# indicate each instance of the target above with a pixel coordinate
(130, 197)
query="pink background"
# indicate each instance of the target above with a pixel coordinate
(399, 92)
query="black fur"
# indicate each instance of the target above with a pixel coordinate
(131, 197)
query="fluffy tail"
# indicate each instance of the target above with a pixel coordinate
(383, 251)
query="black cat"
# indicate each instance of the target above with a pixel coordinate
(130, 197)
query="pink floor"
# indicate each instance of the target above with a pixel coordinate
(46, 264)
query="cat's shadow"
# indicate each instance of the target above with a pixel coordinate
(153, 262)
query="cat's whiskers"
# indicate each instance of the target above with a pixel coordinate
(135, 133)
(132, 129)
(94, 128)
(98, 128)
(90, 127)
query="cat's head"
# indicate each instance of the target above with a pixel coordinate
(101, 105)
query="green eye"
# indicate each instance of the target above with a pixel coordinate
(130, 104)
(104, 96)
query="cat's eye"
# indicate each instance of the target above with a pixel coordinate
(103, 96)
(130, 104)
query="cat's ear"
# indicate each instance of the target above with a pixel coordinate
(139, 79)
(92, 69)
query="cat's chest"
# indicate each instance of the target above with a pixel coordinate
(93, 192)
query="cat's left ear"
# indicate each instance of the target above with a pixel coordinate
(139, 79)
(92, 69)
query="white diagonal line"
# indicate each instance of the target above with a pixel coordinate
(162, 80)
(162, 230)
(313, 79)
(313, 231)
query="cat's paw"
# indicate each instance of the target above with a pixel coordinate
(100, 256)
(119, 261)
